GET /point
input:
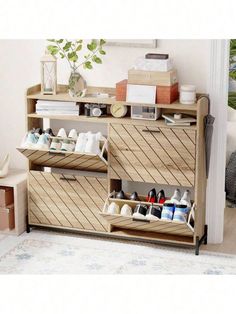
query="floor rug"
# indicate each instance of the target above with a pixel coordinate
(41, 252)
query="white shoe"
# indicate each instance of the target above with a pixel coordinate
(186, 199)
(81, 143)
(62, 133)
(4, 166)
(29, 141)
(68, 146)
(43, 142)
(73, 134)
(55, 145)
(92, 145)
(113, 209)
(176, 197)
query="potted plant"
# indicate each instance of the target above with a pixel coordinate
(232, 74)
(70, 50)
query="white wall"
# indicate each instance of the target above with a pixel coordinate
(19, 68)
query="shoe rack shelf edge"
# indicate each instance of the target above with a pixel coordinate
(66, 202)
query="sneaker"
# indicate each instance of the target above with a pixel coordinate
(62, 133)
(49, 132)
(167, 211)
(73, 134)
(134, 196)
(176, 197)
(113, 209)
(153, 212)
(152, 196)
(161, 197)
(55, 145)
(140, 211)
(93, 143)
(126, 210)
(30, 140)
(181, 212)
(38, 132)
(186, 199)
(68, 146)
(121, 195)
(43, 142)
(81, 143)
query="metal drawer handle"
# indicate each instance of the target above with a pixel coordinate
(67, 179)
(142, 220)
(151, 131)
(56, 153)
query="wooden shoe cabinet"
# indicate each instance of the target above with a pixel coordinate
(136, 151)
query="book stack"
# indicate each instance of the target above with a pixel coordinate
(45, 107)
(179, 119)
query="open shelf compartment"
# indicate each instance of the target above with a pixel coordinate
(154, 226)
(67, 160)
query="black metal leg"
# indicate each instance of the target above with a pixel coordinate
(197, 246)
(205, 234)
(27, 225)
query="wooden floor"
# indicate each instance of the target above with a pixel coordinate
(229, 243)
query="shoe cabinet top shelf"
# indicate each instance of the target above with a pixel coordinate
(63, 95)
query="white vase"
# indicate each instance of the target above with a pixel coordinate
(4, 166)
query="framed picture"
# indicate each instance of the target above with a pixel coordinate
(138, 43)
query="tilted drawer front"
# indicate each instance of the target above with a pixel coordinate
(67, 201)
(151, 154)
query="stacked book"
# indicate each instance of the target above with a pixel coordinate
(45, 107)
(179, 120)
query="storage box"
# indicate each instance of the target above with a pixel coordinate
(6, 196)
(121, 89)
(153, 65)
(153, 78)
(7, 218)
(167, 94)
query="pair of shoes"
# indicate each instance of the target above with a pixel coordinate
(88, 143)
(71, 136)
(63, 142)
(133, 197)
(114, 209)
(175, 212)
(153, 212)
(37, 139)
(154, 197)
(184, 200)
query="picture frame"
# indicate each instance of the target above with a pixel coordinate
(136, 43)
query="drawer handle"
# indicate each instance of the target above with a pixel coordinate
(67, 179)
(151, 131)
(142, 220)
(56, 153)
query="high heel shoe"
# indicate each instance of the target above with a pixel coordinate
(161, 197)
(4, 166)
(152, 196)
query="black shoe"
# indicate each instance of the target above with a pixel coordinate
(121, 195)
(154, 212)
(161, 197)
(152, 196)
(140, 211)
(134, 196)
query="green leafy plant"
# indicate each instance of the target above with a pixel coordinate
(71, 50)
(232, 72)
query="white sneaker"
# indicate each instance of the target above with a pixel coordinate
(186, 199)
(29, 141)
(55, 145)
(73, 134)
(81, 143)
(68, 146)
(43, 142)
(62, 133)
(176, 197)
(92, 145)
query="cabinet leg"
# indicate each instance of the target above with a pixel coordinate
(197, 246)
(27, 224)
(205, 234)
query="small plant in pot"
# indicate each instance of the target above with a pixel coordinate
(71, 50)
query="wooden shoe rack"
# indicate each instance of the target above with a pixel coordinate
(137, 151)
